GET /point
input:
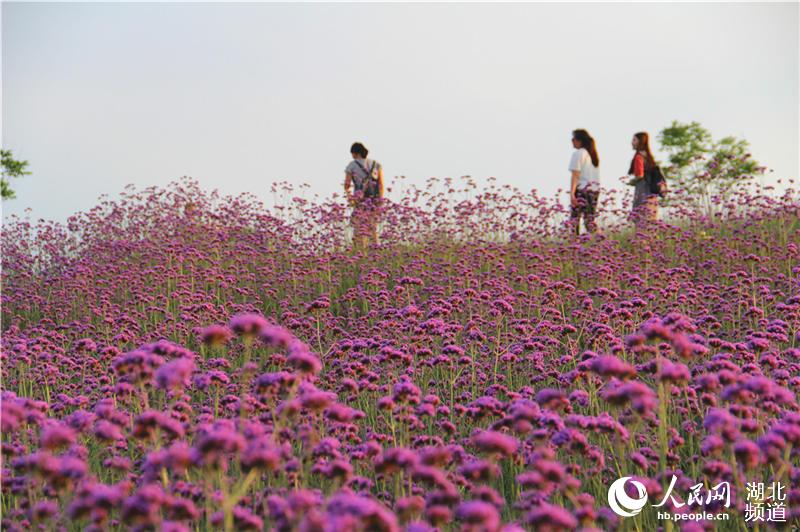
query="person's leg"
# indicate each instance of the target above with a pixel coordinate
(354, 227)
(575, 214)
(369, 227)
(638, 218)
(652, 208)
(367, 224)
(375, 218)
(358, 228)
(364, 231)
(591, 210)
(575, 223)
(645, 214)
(374, 229)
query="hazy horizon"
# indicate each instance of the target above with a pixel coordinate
(238, 96)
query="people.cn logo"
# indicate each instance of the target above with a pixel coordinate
(621, 503)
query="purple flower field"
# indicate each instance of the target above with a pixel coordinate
(177, 360)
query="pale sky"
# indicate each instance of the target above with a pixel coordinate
(97, 96)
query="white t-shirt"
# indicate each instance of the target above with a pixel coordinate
(581, 162)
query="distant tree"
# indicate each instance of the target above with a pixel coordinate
(11, 168)
(707, 170)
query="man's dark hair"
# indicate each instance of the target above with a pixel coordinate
(358, 149)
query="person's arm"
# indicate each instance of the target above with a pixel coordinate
(575, 169)
(347, 184)
(380, 181)
(573, 187)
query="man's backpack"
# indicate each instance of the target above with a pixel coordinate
(656, 181)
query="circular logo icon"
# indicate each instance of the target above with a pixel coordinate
(621, 503)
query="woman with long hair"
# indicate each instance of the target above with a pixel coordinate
(584, 182)
(645, 203)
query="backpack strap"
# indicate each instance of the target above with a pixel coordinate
(368, 172)
(360, 166)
